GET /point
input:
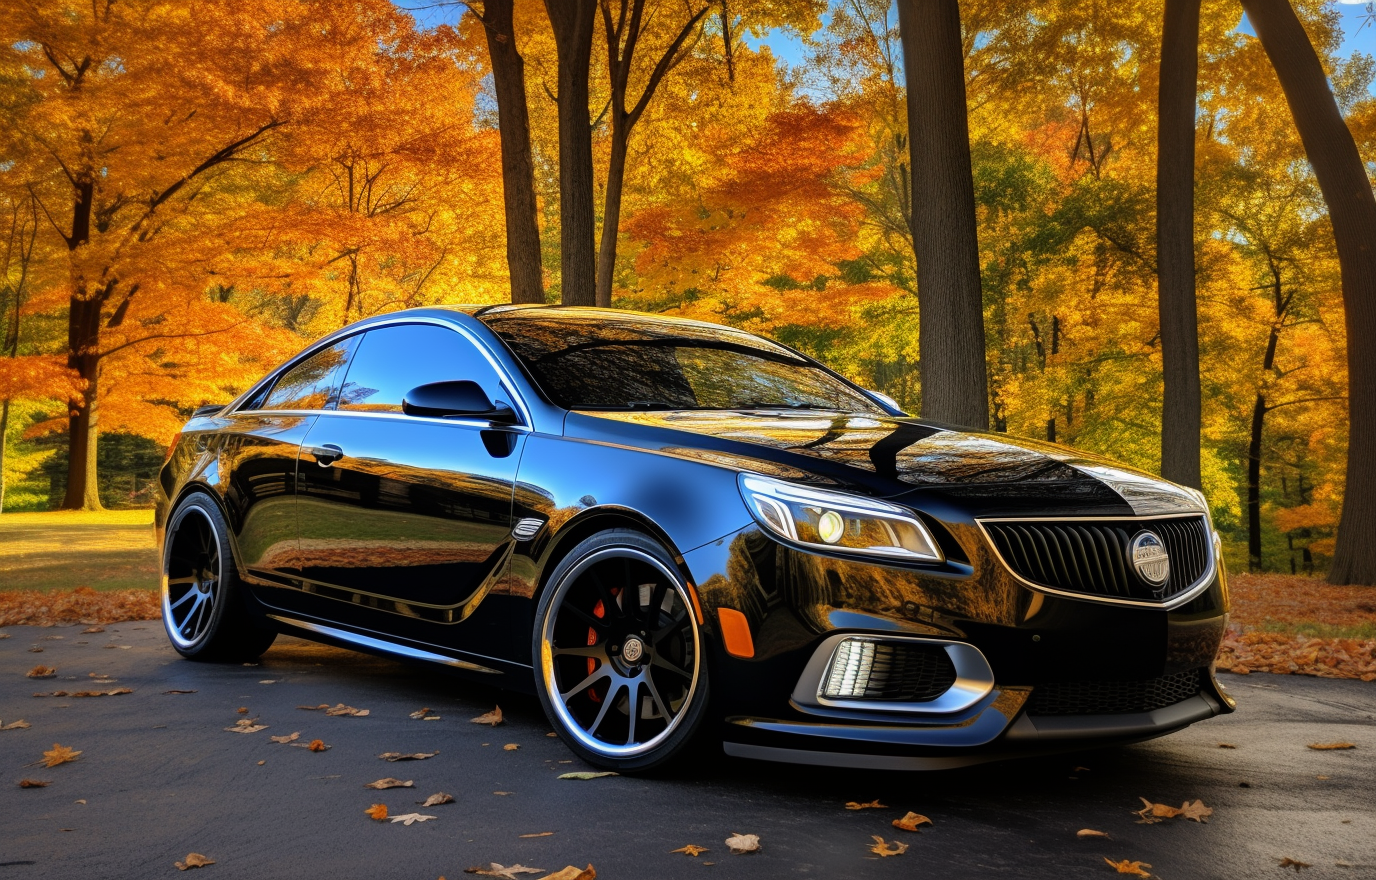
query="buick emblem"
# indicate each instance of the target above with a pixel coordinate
(632, 650)
(1149, 557)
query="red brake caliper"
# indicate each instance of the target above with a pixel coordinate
(599, 611)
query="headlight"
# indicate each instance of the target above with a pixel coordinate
(838, 522)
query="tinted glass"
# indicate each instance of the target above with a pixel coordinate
(393, 360)
(598, 362)
(312, 383)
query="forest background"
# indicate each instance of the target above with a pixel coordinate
(257, 173)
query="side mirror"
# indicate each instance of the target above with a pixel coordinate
(884, 399)
(455, 399)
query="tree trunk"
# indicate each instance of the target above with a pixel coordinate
(1254, 485)
(83, 340)
(518, 169)
(1180, 412)
(572, 21)
(611, 215)
(1352, 211)
(4, 436)
(945, 242)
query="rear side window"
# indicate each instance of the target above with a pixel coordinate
(313, 383)
(393, 360)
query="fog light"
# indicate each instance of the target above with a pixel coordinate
(850, 669)
(831, 526)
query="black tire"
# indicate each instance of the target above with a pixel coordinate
(624, 715)
(203, 610)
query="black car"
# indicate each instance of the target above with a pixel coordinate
(664, 528)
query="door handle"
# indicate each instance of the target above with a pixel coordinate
(326, 455)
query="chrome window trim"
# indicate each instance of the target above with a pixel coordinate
(974, 677)
(1175, 601)
(503, 375)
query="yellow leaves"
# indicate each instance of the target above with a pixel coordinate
(21, 724)
(1135, 869)
(193, 860)
(59, 754)
(510, 747)
(410, 818)
(338, 709)
(316, 745)
(740, 844)
(571, 873)
(588, 774)
(492, 719)
(1090, 832)
(246, 725)
(1288, 862)
(911, 822)
(884, 850)
(872, 805)
(33, 783)
(1333, 746)
(690, 850)
(377, 812)
(1152, 813)
(397, 756)
(289, 738)
(42, 672)
(425, 715)
(113, 692)
(389, 782)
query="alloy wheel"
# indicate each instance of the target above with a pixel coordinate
(192, 576)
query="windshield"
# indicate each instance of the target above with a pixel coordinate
(595, 362)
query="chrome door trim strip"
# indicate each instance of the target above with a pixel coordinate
(1175, 601)
(380, 645)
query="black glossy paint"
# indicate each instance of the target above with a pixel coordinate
(350, 514)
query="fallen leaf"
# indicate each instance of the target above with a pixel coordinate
(15, 725)
(37, 650)
(496, 870)
(261, 763)
(103, 676)
(1226, 746)
(588, 774)
(246, 725)
(492, 718)
(884, 850)
(911, 822)
(1136, 869)
(552, 733)
(121, 647)
(1090, 832)
(242, 710)
(110, 693)
(42, 672)
(1196, 811)
(1288, 862)
(425, 715)
(316, 745)
(743, 843)
(398, 756)
(193, 860)
(409, 818)
(1328, 747)
(436, 799)
(389, 782)
(59, 755)
(178, 692)
(510, 747)
(33, 783)
(82, 802)
(690, 850)
(268, 681)
(1152, 813)
(872, 805)
(289, 738)
(538, 834)
(337, 709)
(572, 873)
(503, 792)
(90, 630)
(376, 811)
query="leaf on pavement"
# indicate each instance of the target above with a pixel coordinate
(409, 818)
(59, 754)
(572, 873)
(178, 692)
(415, 756)
(193, 860)
(120, 647)
(884, 850)
(911, 822)
(426, 714)
(438, 798)
(289, 738)
(1226, 746)
(246, 725)
(389, 782)
(33, 783)
(1327, 747)
(690, 850)
(743, 843)
(91, 630)
(510, 747)
(496, 870)
(491, 719)
(42, 672)
(1136, 869)
(1196, 811)
(1090, 832)
(15, 725)
(1288, 862)
(110, 693)
(537, 834)
(242, 710)
(337, 709)
(377, 811)
(314, 745)
(872, 805)
(588, 774)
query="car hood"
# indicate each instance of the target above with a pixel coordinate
(901, 458)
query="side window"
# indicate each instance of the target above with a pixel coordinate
(313, 383)
(393, 360)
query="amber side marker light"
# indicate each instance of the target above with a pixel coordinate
(735, 632)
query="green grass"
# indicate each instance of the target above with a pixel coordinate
(106, 550)
(1310, 629)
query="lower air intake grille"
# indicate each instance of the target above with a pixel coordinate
(1113, 697)
(1093, 557)
(865, 669)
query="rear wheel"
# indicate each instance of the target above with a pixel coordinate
(202, 609)
(620, 656)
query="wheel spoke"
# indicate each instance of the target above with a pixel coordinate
(633, 710)
(594, 622)
(657, 659)
(652, 613)
(603, 671)
(192, 615)
(596, 652)
(189, 579)
(674, 624)
(612, 693)
(609, 603)
(187, 595)
(654, 694)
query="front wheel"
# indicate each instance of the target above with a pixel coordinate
(202, 610)
(620, 656)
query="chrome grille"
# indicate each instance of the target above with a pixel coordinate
(1091, 557)
(1113, 697)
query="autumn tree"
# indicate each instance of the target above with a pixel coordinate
(573, 23)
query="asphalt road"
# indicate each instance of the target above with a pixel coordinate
(159, 777)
